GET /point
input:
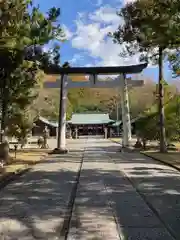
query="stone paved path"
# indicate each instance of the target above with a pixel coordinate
(107, 205)
(34, 206)
(159, 185)
(120, 196)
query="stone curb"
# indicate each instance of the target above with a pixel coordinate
(70, 203)
(161, 161)
(5, 180)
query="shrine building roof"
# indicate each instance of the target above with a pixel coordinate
(90, 118)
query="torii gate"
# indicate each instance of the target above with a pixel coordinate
(81, 77)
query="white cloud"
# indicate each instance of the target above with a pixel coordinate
(105, 14)
(76, 58)
(91, 36)
(67, 32)
(128, 1)
(87, 36)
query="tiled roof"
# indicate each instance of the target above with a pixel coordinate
(46, 121)
(90, 118)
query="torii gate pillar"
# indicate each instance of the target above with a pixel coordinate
(61, 133)
(125, 113)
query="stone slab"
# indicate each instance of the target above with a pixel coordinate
(107, 206)
(92, 215)
(34, 206)
(145, 234)
(106, 201)
(158, 183)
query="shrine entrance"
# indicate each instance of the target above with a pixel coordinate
(89, 124)
(81, 77)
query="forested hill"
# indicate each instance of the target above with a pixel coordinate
(103, 100)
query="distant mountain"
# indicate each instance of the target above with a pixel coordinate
(100, 100)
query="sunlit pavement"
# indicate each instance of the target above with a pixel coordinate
(118, 196)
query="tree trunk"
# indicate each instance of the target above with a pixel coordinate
(4, 96)
(163, 147)
(3, 120)
(144, 143)
(3, 109)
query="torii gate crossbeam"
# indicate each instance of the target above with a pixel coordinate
(93, 72)
(90, 83)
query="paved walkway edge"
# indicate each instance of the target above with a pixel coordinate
(161, 161)
(70, 206)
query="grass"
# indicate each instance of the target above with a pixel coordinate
(27, 157)
(23, 160)
(170, 158)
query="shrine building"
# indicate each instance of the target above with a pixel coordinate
(82, 124)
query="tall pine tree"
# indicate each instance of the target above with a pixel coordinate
(24, 29)
(150, 28)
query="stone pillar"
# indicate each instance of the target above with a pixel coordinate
(45, 137)
(56, 132)
(105, 132)
(110, 132)
(76, 133)
(61, 140)
(70, 133)
(125, 113)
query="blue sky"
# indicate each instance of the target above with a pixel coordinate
(86, 24)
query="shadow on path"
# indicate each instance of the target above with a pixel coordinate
(34, 205)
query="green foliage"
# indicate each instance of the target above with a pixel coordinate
(147, 93)
(23, 30)
(23, 25)
(146, 27)
(149, 31)
(50, 112)
(69, 110)
(20, 125)
(147, 125)
(174, 59)
(172, 112)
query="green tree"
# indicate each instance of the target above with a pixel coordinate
(23, 31)
(147, 124)
(174, 58)
(147, 93)
(20, 125)
(146, 128)
(150, 31)
(172, 113)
